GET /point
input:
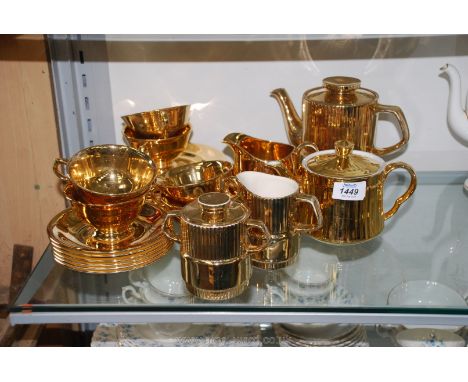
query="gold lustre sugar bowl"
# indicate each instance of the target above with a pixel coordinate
(216, 236)
(162, 151)
(183, 184)
(254, 154)
(160, 123)
(350, 186)
(107, 174)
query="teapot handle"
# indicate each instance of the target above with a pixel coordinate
(412, 186)
(266, 237)
(56, 167)
(315, 204)
(398, 113)
(168, 229)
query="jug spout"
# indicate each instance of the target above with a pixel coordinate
(234, 140)
(292, 121)
(456, 116)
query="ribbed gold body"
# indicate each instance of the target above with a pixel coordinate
(212, 243)
(324, 124)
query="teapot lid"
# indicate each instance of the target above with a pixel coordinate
(341, 91)
(215, 209)
(343, 163)
(342, 83)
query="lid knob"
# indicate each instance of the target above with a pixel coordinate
(343, 150)
(342, 84)
(214, 206)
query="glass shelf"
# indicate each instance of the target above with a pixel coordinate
(425, 240)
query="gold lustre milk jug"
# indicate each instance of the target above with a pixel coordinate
(339, 110)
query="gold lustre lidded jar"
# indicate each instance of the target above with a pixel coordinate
(216, 236)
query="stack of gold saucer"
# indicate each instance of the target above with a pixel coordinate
(74, 244)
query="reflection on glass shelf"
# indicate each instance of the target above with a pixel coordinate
(426, 241)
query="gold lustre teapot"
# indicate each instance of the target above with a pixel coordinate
(340, 110)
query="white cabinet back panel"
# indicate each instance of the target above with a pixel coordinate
(232, 95)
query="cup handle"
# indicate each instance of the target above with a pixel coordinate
(412, 186)
(56, 167)
(266, 237)
(168, 229)
(398, 113)
(315, 204)
(130, 291)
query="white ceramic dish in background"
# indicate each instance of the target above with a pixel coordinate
(426, 293)
(426, 337)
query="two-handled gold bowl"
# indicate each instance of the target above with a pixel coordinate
(160, 123)
(107, 186)
(107, 174)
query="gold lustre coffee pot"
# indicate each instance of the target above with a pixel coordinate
(349, 186)
(216, 238)
(339, 110)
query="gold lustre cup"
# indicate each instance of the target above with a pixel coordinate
(161, 151)
(112, 221)
(160, 123)
(107, 174)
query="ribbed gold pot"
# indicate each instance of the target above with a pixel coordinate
(339, 110)
(216, 239)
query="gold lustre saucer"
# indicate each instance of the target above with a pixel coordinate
(74, 244)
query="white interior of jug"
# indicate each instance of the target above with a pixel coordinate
(267, 185)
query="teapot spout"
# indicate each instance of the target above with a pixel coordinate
(292, 121)
(456, 115)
